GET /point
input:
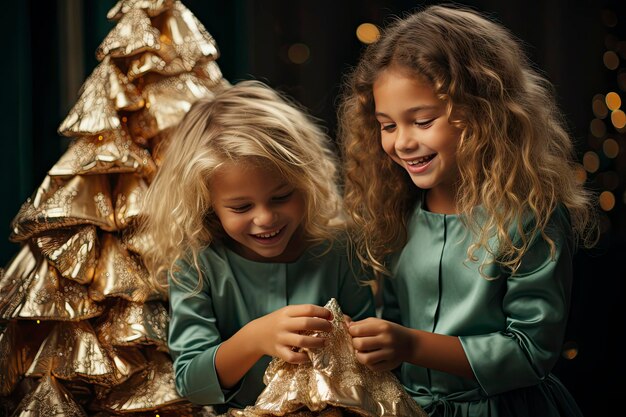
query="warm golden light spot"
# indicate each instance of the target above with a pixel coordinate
(367, 33)
(610, 147)
(298, 53)
(124, 119)
(570, 350)
(597, 128)
(599, 108)
(38, 321)
(607, 200)
(147, 105)
(613, 101)
(611, 60)
(618, 118)
(100, 137)
(580, 174)
(591, 161)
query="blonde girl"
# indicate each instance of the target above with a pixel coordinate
(244, 215)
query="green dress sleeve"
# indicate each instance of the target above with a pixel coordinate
(535, 304)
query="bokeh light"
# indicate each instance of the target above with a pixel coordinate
(613, 101)
(298, 53)
(367, 33)
(610, 147)
(570, 350)
(591, 161)
(599, 106)
(597, 128)
(580, 174)
(607, 200)
(611, 60)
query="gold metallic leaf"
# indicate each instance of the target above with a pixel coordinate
(184, 37)
(60, 202)
(133, 34)
(16, 279)
(72, 351)
(333, 378)
(129, 193)
(150, 389)
(151, 7)
(151, 62)
(104, 155)
(52, 297)
(135, 324)
(120, 274)
(167, 101)
(50, 398)
(210, 71)
(71, 251)
(106, 91)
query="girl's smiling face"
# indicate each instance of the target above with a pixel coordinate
(416, 134)
(259, 211)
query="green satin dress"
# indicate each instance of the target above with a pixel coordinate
(511, 328)
(235, 291)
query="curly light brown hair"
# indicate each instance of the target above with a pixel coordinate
(515, 157)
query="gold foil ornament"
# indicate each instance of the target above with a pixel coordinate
(72, 351)
(333, 379)
(151, 7)
(133, 34)
(52, 297)
(151, 62)
(128, 194)
(71, 251)
(127, 361)
(50, 398)
(120, 274)
(106, 91)
(167, 101)
(146, 390)
(60, 202)
(17, 350)
(135, 324)
(105, 154)
(15, 280)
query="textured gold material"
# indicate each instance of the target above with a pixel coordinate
(167, 101)
(71, 251)
(146, 390)
(128, 196)
(127, 361)
(151, 7)
(72, 351)
(120, 274)
(106, 91)
(50, 398)
(104, 155)
(333, 378)
(133, 34)
(15, 280)
(133, 324)
(52, 297)
(151, 62)
(59, 202)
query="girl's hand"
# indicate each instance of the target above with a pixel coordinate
(381, 345)
(280, 333)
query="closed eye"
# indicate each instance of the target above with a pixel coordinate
(387, 127)
(240, 209)
(424, 123)
(283, 197)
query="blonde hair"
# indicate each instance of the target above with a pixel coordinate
(515, 157)
(246, 123)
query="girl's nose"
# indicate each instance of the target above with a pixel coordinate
(264, 217)
(404, 141)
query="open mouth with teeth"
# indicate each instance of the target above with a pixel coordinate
(268, 235)
(421, 161)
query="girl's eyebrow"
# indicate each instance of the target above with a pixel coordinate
(243, 198)
(409, 111)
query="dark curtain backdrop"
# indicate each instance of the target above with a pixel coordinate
(50, 50)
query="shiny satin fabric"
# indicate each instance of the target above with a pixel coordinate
(128, 197)
(50, 398)
(333, 379)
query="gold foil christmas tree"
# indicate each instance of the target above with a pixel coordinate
(83, 329)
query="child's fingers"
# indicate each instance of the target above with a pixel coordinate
(310, 324)
(364, 328)
(309, 310)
